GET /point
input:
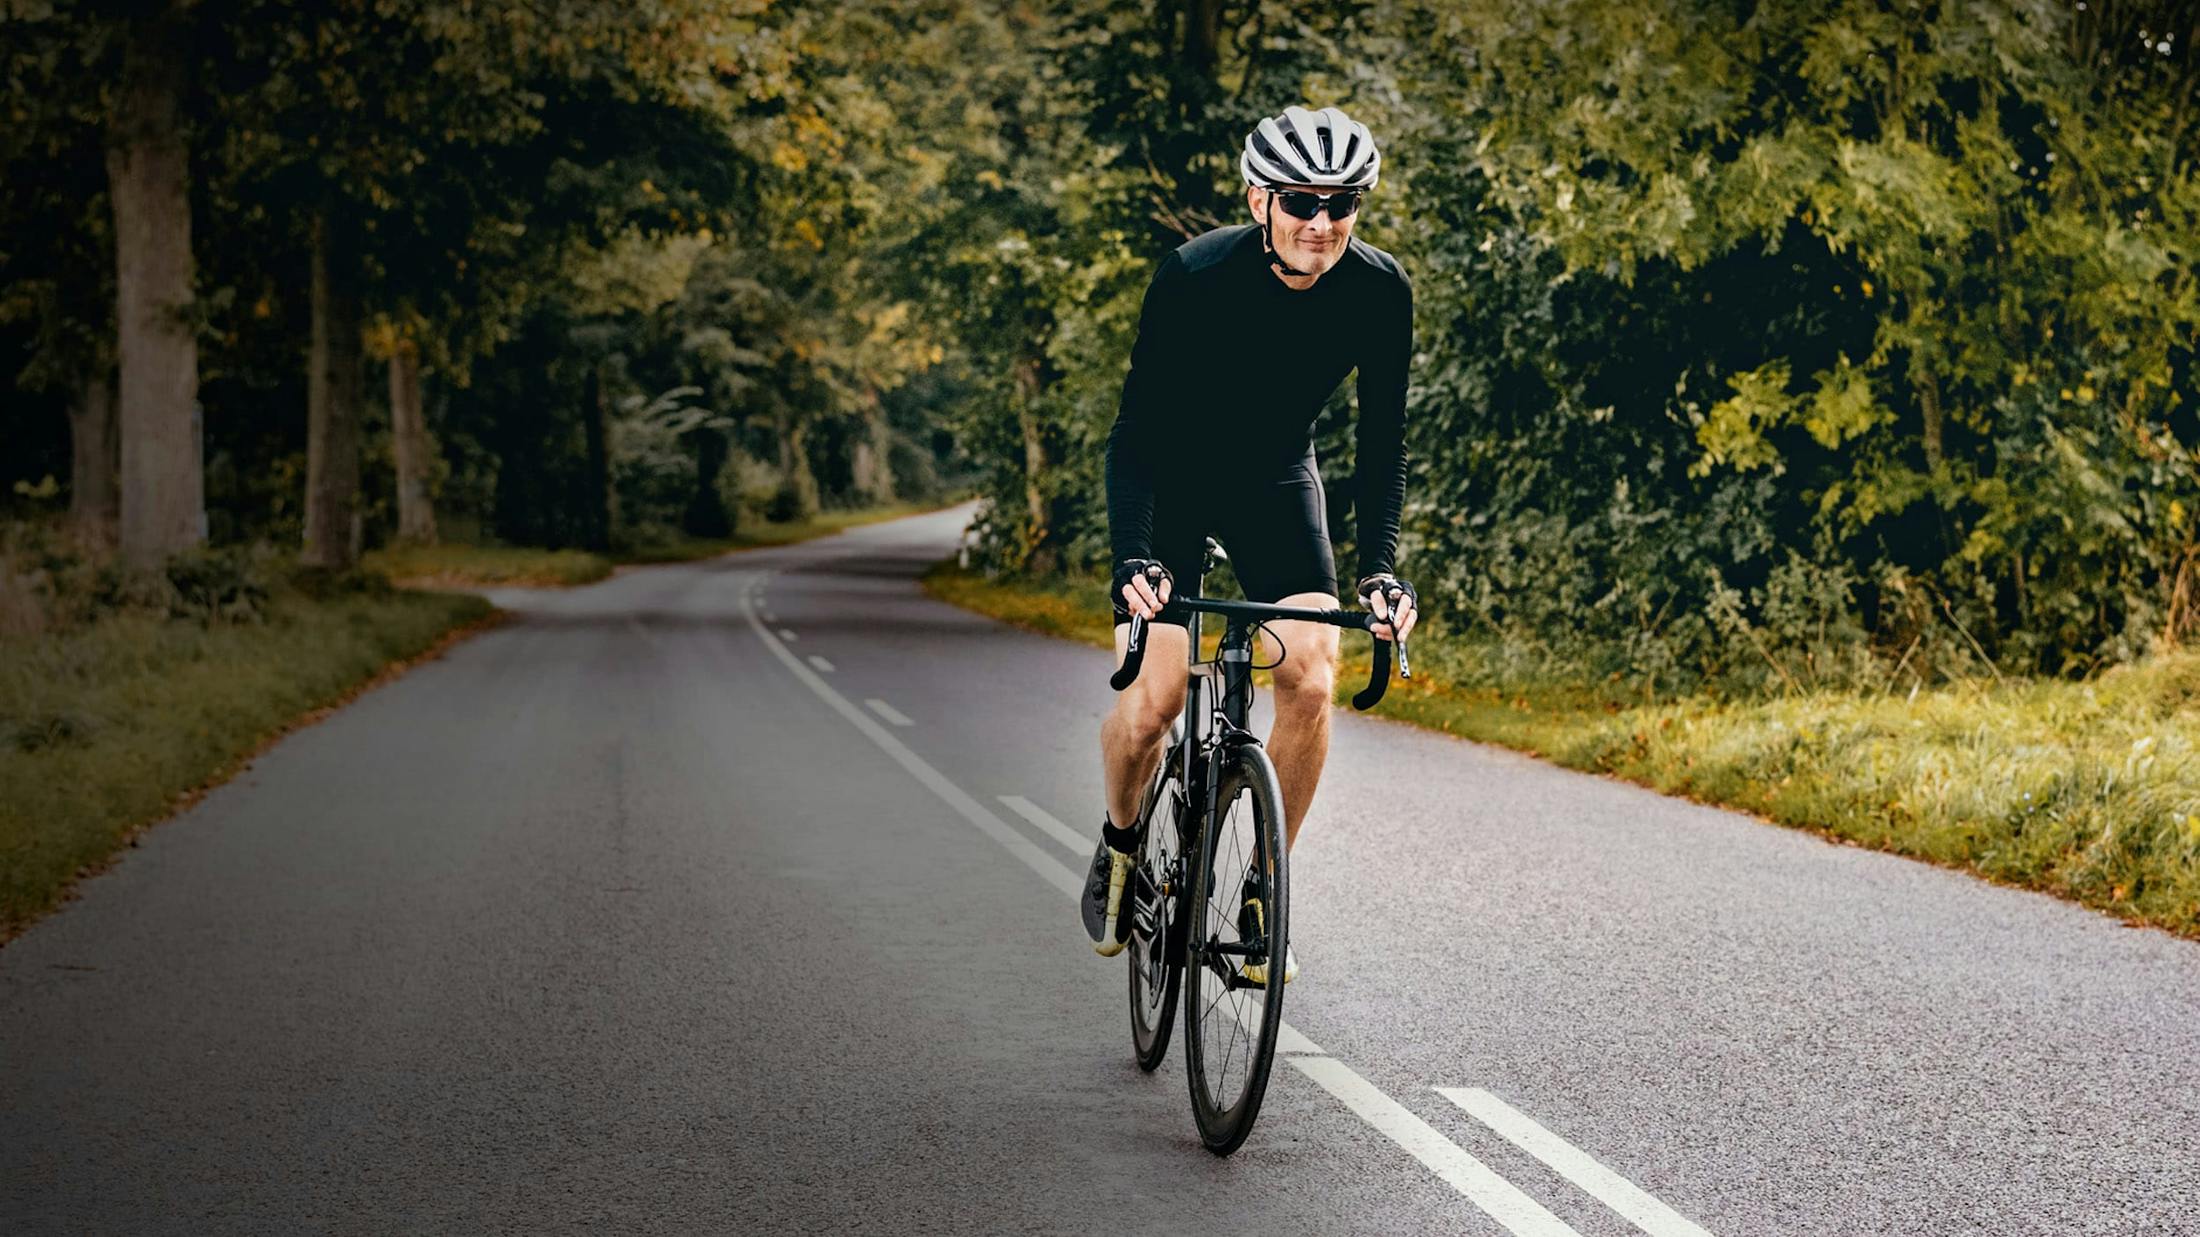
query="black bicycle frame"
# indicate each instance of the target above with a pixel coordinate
(1233, 665)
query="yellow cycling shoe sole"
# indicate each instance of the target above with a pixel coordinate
(1257, 972)
(1108, 945)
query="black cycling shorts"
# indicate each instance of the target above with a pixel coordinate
(1276, 533)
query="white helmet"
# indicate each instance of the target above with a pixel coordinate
(1326, 149)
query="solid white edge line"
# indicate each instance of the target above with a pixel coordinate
(889, 712)
(1077, 845)
(1498, 1198)
(970, 809)
(1495, 1196)
(1639, 1207)
(819, 662)
(1288, 1039)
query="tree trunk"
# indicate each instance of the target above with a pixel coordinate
(1928, 402)
(94, 500)
(797, 497)
(596, 433)
(163, 475)
(1036, 532)
(411, 447)
(870, 463)
(706, 515)
(1203, 37)
(335, 382)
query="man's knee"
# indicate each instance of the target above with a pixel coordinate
(1310, 688)
(1307, 675)
(1146, 715)
(1156, 696)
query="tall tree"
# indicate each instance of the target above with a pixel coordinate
(412, 448)
(335, 395)
(163, 487)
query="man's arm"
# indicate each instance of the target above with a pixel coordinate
(1379, 473)
(1154, 383)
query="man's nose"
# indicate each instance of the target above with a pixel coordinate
(1321, 223)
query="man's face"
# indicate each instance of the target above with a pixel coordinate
(1310, 245)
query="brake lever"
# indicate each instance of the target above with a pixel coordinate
(1405, 667)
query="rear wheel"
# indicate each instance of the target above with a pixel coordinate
(1238, 912)
(1156, 893)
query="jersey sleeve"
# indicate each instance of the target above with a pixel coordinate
(1156, 378)
(1380, 454)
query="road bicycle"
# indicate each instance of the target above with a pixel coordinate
(1210, 891)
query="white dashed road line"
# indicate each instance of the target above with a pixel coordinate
(787, 633)
(1574, 1164)
(823, 666)
(1500, 1199)
(1496, 1197)
(1046, 865)
(889, 712)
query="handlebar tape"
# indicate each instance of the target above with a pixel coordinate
(1134, 657)
(1378, 679)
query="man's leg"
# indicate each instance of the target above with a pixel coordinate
(1131, 737)
(1305, 686)
(1130, 748)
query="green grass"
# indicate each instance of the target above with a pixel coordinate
(472, 566)
(457, 566)
(2090, 791)
(111, 726)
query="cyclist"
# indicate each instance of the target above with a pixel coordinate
(1245, 333)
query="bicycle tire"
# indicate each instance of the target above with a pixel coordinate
(1157, 956)
(1227, 1032)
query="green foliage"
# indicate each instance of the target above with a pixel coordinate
(1710, 295)
(1766, 346)
(1745, 330)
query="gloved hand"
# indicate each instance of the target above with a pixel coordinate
(1144, 585)
(1393, 601)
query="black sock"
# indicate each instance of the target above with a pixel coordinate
(1122, 840)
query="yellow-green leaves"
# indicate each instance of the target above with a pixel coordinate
(1734, 432)
(1842, 407)
(1838, 408)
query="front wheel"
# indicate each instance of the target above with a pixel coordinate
(1239, 912)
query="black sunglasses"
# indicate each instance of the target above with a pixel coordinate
(1300, 204)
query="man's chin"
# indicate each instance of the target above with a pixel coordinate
(1317, 261)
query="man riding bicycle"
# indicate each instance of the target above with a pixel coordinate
(1245, 333)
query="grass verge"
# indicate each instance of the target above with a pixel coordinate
(471, 566)
(485, 566)
(2090, 791)
(110, 727)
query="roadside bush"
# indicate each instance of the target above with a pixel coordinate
(221, 585)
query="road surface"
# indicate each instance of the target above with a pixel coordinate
(732, 897)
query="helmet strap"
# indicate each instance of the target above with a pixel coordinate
(1275, 259)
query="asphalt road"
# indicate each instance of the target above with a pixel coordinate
(711, 899)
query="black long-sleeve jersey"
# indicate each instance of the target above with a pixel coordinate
(1232, 367)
